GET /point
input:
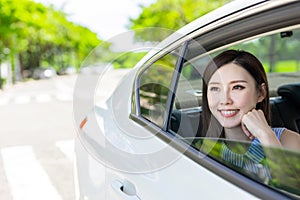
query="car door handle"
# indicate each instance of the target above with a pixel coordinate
(125, 189)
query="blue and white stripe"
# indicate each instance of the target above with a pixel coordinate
(252, 159)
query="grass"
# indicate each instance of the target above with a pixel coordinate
(284, 66)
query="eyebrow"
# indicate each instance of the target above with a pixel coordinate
(231, 82)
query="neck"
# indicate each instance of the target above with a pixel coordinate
(236, 133)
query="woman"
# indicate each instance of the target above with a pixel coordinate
(236, 105)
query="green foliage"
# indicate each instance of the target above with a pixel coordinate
(284, 66)
(40, 36)
(284, 164)
(172, 14)
(277, 53)
(2, 82)
(128, 60)
(37, 34)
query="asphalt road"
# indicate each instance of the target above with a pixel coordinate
(37, 134)
(37, 140)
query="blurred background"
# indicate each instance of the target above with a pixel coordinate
(44, 46)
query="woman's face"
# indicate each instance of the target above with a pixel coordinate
(231, 93)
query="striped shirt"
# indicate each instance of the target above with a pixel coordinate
(250, 161)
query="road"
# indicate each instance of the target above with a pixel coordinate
(37, 139)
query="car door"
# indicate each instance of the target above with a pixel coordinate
(193, 174)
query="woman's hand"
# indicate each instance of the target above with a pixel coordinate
(247, 132)
(255, 124)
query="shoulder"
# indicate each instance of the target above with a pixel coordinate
(278, 132)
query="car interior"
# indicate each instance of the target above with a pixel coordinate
(285, 109)
(284, 88)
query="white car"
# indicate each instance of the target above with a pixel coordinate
(144, 141)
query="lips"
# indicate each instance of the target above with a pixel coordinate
(228, 113)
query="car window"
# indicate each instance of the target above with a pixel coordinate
(280, 173)
(279, 53)
(154, 87)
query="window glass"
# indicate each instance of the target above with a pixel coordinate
(279, 54)
(185, 117)
(154, 88)
(277, 168)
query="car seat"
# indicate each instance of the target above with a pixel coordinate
(285, 111)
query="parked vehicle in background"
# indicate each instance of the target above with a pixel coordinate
(67, 71)
(44, 73)
(145, 141)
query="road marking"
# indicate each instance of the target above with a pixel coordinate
(67, 147)
(40, 98)
(4, 100)
(43, 98)
(25, 175)
(23, 99)
(64, 97)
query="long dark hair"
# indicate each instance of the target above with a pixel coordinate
(211, 127)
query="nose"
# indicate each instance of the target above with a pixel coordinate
(225, 98)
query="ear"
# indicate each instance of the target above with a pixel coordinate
(262, 93)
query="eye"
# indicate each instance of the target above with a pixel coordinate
(214, 89)
(238, 87)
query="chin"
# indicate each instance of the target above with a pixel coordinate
(230, 125)
(227, 123)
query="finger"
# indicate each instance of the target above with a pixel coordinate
(247, 132)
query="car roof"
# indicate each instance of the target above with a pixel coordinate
(210, 18)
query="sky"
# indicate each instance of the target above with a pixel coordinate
(105, 17)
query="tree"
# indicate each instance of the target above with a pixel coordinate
(171, 14)
(39, 36)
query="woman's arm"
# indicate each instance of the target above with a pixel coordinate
(255, 124)
(290, 139)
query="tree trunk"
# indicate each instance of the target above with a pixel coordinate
(272, 53)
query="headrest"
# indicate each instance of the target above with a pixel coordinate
(290, 91)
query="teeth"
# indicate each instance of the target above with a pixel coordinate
(228, 112)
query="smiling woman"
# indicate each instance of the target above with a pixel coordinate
(234, 81)
(232, 92)
(236, 94)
